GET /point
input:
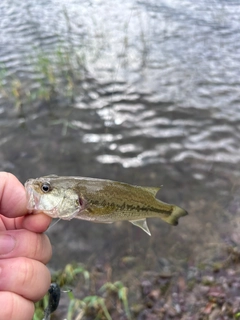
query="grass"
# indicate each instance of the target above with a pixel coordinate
(121, 291)
(11, 89)
(97, 303)
(90, 305)
(56, 75)
(58, 70)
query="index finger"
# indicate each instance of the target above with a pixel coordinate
(13, 201)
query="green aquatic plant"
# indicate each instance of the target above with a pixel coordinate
(70, 88)
(65, 125)
(118, 288)
(68, 275)
(45, 68)
(57, 73)
(59, 70)
(64, 278)
(75, 307)
(11, 89)
(90, 305)
(3, 81)
(40, 306)
(98, 304)
(47, 80)
(17, 93)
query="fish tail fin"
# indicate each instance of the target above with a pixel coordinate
(175, 214)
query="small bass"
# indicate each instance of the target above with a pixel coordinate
(98, 200)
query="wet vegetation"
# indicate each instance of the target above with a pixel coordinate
(57, 73)
(203, 292)
(57, 78)
(95, 299)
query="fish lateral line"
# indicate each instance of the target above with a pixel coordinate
(129, 207)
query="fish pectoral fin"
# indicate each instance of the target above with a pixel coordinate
(141, 224)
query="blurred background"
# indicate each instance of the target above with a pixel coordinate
(144, 92)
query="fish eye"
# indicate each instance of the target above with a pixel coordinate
(45, 187)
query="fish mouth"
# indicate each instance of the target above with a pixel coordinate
(33, 198)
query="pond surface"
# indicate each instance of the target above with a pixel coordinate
(157, 104)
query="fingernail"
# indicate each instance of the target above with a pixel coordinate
(7, 244)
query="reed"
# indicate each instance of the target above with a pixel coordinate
(58, 70)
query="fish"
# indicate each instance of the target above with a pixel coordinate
(98, 200)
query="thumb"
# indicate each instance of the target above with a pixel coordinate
(13, 201)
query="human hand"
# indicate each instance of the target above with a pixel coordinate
(24, 251)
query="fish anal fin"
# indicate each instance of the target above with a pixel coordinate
(142, 223)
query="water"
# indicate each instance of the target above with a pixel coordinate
(159, 103)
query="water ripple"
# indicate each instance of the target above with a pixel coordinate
(166, 89)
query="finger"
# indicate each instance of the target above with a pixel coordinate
(26, 277)
(15, 307)
(13, 201)
(16, 244)
(9, 223)
(35, 222)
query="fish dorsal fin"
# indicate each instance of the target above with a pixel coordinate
(152, 190)
(141, 224)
